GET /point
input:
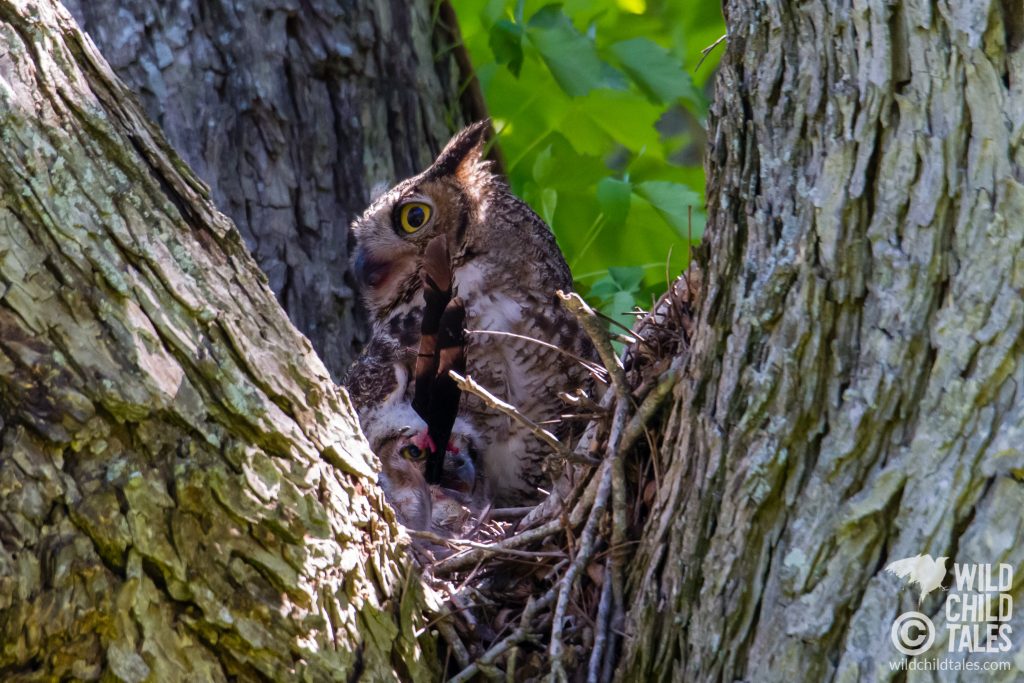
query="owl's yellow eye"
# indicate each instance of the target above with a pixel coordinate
(414, 216)
(412, 452)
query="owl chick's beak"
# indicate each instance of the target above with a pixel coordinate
(459, 471)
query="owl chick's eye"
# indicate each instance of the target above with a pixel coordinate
(414, 216)
(412, 452)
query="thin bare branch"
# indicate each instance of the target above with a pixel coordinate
(468, 384)
(588, 364)
(486, 547)
(647, 408)
(454, 642)
(511, 513)
(471, 556)
(517, 636)
(601, 627)
(587, 546)
(704, 55)
(590, 322)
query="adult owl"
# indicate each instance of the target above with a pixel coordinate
(507, 267)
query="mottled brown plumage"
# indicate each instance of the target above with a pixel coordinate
(507, 267)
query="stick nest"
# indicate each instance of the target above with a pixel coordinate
(538, 593)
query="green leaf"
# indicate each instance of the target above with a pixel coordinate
(622, 303)
(548, 202)
(673, 202)
(613, 197)
(657, 72)
(491, 12)
(605, 288)
(618, 309)
(627, 278)
(632, 132)
(570, 56)
(506, 41)
(542, 165)
(620, 280)
(622, 118)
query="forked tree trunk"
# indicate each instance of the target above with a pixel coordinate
(182, 491)
(292, 110)
(184, 494)
(854, 393)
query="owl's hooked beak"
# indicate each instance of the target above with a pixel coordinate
(369, 272)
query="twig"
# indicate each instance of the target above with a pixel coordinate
(627, 336)
(474, 555)
(454, 642)
(484, 517)
(647, 409)
(618, 549)
(704, 55)
(489, 548)
(470, 385)
(580, 399)
(496, 650)
(588, 319)
(531, 554)
(466, 581)
(511, 513)
(568, 582)
(619, 517)
(510, 665)
(589, 365)
(589, 417)
(601, 631)
(613, 479)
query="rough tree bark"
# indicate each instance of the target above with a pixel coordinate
(184, 494)
(292, 111)
(854, 393)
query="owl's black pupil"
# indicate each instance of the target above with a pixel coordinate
(412, 452)
(416, 216)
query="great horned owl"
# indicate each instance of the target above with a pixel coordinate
(508, 268)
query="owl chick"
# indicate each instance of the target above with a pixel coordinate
(420, 505)
(400, 438)
(507, 265)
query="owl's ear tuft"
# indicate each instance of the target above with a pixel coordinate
(463, 153)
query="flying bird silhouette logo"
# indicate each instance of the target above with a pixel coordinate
(926, 572)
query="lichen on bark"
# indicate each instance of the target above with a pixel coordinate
(184, 492)
(853, 390)
(292, 111)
